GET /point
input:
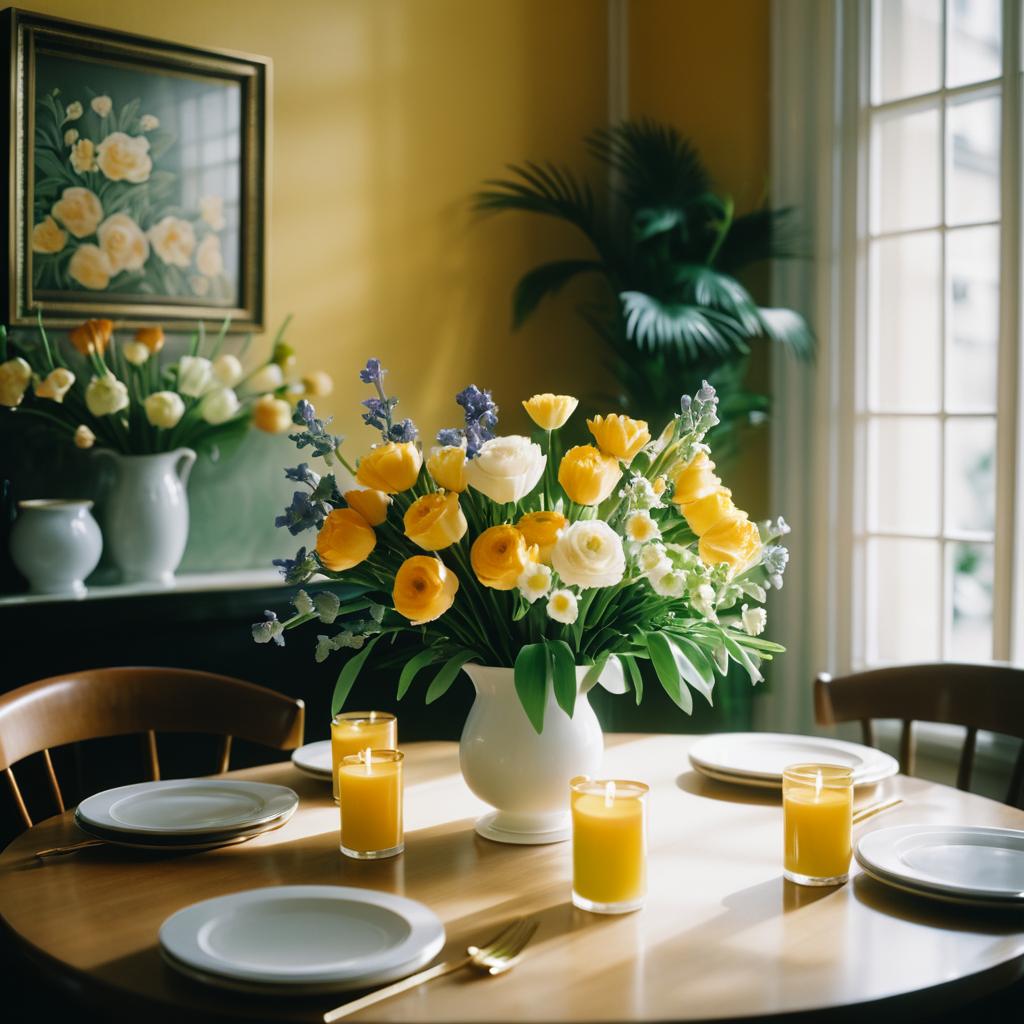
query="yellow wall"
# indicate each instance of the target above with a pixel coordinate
(387, 115)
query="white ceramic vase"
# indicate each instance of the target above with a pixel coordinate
(523, 774)
(55, 544)
(145, 523)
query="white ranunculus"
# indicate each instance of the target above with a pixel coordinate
(563, 607)
(164, 409)
(219, 405)
(506, 468)
(135, 352)
(589, 554)
(227, 369)
(194, 375)
(106, 395)
(267, 378)
(754, 620)
(669, 583)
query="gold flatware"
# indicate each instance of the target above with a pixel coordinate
(499, 955)
(60, 851)
(872, 809)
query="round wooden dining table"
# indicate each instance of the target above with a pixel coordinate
(722, 935)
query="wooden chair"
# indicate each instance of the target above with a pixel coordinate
(989, 697)
(117, 701)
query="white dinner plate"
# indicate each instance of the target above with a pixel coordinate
(312, 937)
(314, 759)
(759, 758)
(971, 862)
(187, 807)
(175, 844)
(943, 897)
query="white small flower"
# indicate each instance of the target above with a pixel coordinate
(327, 606)
(303, 603)
(164, 409)
(754, 620)
(219, 405)
(70, 136)
(73, 112)
(703, 601)
(640, 493)
(135, 352)
(149, 122)
(102, 105)
(106, 395)
(535, 581)
(194, 375)
(669, 584)
(641, 528)
(562, 607)
(267, 378)
(227, 369)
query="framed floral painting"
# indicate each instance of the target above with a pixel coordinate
(136, 184)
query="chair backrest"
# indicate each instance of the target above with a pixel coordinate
(117, 701)
(989, 697)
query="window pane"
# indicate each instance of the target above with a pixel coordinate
(972, 573)
(970, 474)
(903, 600)
(973, 193)
(903, 475)
(904, 357)
(975, 41)
(908, 48)
(972, 255)
(905, 165)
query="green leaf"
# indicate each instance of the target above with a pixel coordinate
(412, 667)
(737, 653)
(694, 667)
(590, 680)
(691, 330)
(563, 674)
(348, 675)
(634, 674)
(531, 680)
(664, 661)
(444, 679)
(547, 279)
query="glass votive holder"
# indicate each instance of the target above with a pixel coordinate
(817, 808)
(370, 784)
(353, 731)
(609, 845)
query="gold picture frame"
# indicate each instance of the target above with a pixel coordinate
(137, 177)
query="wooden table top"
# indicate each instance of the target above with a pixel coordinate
(722, 935)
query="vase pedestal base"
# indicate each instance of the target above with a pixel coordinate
(524, 829)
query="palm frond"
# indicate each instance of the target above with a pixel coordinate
(547, 279)
(705, 286)
(763, 234)
(654, 324)
(790, 329)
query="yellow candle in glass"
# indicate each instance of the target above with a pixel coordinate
(353, 731)
(370, 784)
(818, 821)
(609, 845)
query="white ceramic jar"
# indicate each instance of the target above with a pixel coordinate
(55, 544)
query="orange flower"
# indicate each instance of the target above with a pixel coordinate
(345, 540)
(92, 336)
(424, 589)
(151, 337)
(499, 556)
(542, 528)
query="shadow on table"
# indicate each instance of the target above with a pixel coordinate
(700, 785)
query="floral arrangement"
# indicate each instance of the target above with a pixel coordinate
(630, 550)
(118, 395)
(105, 216)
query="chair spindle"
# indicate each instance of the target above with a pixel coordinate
(225, 755)
(963, 775)
(154, 757)
(907, 748)
(19, 801)
(54, 785)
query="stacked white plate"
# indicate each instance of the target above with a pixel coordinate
(185, 814)
(314, 759)
(759, 758)
(981, 867)
(301, 939)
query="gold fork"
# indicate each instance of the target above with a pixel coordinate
(499, 955)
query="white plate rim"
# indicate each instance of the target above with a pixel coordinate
(878, 764)
(869, 858)
(207, 842)
(178, 936)
(934, 894)
(309, 769)
(95, 809)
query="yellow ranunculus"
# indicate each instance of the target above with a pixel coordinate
(173, 240)
(92, 336)
(124, 242)
(424, 589)
(83, 156)
(587, 475)
(435, 521)
(272, 415)
(542, 529)
(550, 411)
(48, 237)
(79, 210)
(703, 513)
(123, 157)
(90, 267)
(371, 505)
(734, 540)
(620, 436)
(447, 466)
(392, 467)
(345, 540)
(499, 556)
(209, 257)
(695, 480)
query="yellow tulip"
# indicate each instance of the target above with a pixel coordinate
(424, 589)
(733, 540)
(659, 485)
(270, 414)
(499, 556)
(620, 436)
(371, 505)
(447, 466)
(587, 475)
(550, 411)
(15, 376)
(435, 521)
(542, 529)
(695, 480)
(345, 540)
(392, 467)
(151, 337)
(703, 513)
(55, 385)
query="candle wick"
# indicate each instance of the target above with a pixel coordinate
(817, 785)
(609, 794)
(366, 758)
